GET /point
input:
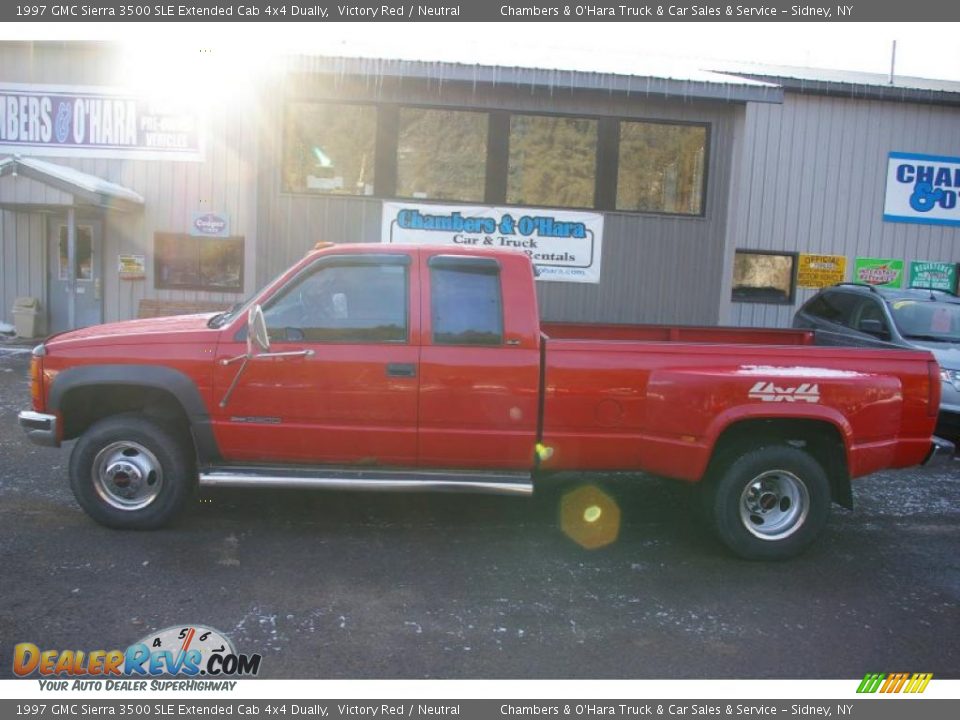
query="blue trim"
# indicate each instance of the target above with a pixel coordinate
(920, 221)
(917, 156)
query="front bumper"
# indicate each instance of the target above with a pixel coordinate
(941, 453)
(41, 429)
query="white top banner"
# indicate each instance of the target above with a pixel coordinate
(922, 189)
(80, 121)
(564, 245)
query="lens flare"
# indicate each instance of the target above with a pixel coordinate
(590, 517)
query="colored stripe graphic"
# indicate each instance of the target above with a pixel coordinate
(894, 682)
(870, 683)
(918, 683)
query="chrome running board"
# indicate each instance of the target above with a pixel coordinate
(495, 483)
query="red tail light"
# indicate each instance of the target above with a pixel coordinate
(933, 389)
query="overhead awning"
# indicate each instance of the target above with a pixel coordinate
(29, 184)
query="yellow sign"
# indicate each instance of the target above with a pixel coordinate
(131, 267)
(817, 271)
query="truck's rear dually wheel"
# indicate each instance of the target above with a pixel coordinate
(770, 503)
(128, 471)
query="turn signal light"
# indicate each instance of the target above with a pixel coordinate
(36, 388)
(36, 377)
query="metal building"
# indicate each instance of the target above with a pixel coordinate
(651, 195)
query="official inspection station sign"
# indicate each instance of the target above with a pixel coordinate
(564, 245)
(933, 275)
(818, 271)
(922, 189)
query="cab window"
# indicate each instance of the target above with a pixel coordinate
(343, 302)
(465, 301)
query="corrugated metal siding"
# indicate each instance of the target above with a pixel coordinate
(812, 179)
(655, 268)
(224, 182)
(22, 259)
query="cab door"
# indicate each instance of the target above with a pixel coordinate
(480, 373)
(353, 399)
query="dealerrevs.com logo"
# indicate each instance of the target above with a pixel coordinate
(182, 651)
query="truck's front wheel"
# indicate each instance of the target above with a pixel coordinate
(770, 503)
(128, 471)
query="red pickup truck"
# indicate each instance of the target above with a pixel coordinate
(411, 368)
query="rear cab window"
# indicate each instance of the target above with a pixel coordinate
(466, 306)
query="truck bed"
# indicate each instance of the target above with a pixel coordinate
(658, 398)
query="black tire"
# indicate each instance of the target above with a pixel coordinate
(130, 472)
(770, 503)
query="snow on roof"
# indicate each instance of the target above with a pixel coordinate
(71, 178)
(817, 78)
(539, 58)
(578, 68)
(613, 70)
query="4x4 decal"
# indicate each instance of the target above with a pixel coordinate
(768, 392)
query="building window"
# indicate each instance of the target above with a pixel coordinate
(184, 262)
(441, 154)
(84, 253)
(329, 148)
(552, 161)
(764, 277)
(467, 155)
(661, 168)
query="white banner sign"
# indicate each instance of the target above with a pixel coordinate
(75, 121)
(564, 245)
(922, 189)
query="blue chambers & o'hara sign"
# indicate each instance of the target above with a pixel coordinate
(922, 189)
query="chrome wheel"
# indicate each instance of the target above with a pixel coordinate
(127, 476)
(774, 505)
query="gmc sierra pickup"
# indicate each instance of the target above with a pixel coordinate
(383, 367)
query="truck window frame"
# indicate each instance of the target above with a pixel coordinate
(471, 265)
(322, 263)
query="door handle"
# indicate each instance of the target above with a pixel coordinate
(401, 370)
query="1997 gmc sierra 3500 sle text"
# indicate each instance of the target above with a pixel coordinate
(415, 368)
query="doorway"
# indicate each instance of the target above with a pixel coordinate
(83, 283)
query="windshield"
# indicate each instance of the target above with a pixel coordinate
(927, 320)
(223, 318)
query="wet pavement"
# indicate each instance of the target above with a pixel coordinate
(338, 585)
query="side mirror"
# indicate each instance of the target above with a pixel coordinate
(257, 331)
(875, 328)
(257, 338)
